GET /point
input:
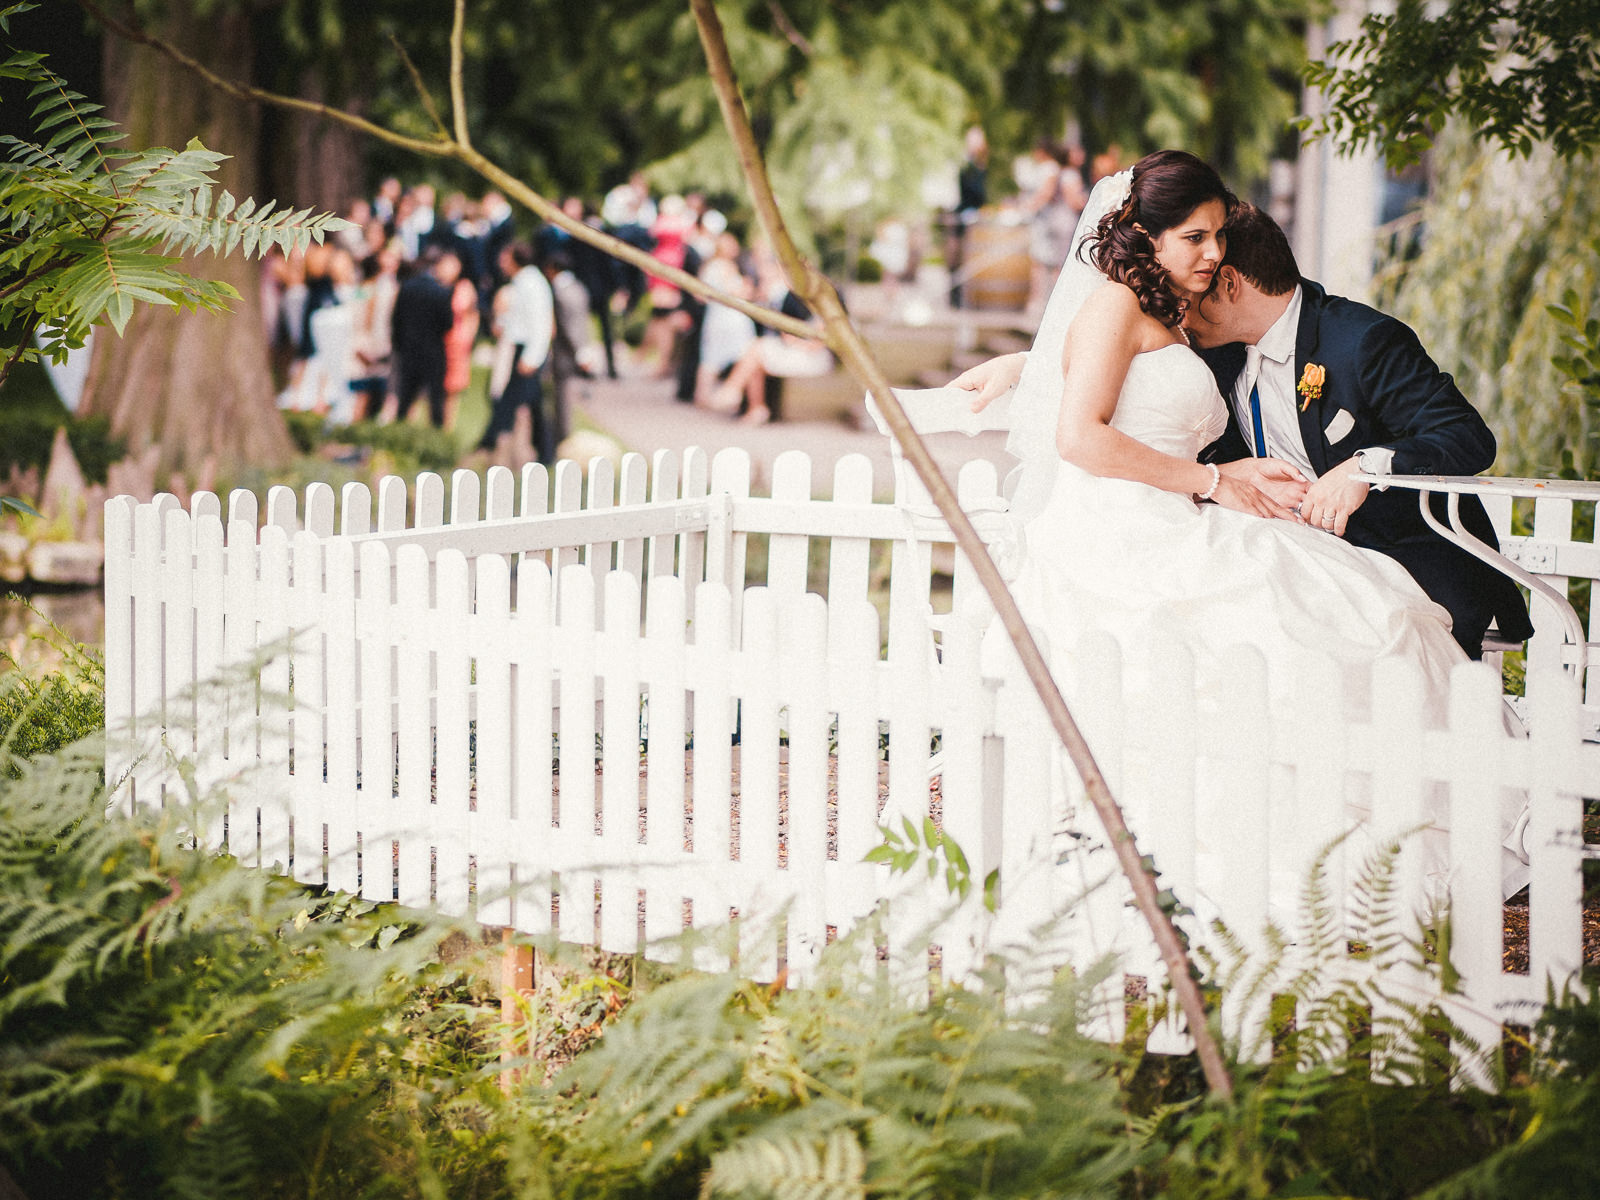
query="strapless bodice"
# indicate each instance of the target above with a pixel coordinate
(1169, 401)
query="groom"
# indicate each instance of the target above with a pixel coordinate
(1338, 388)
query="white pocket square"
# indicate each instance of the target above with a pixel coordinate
(1341, 424)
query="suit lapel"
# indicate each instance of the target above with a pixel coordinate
(1308, 338)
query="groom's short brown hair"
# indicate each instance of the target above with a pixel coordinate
(1258, 250)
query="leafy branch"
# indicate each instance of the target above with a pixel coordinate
(935, 851)
(1518, 74)
(90, 230)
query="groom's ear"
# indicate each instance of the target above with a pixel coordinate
(1229, 282)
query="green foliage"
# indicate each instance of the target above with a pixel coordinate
(846, 1087)
(173, 1024)
(1558, 1150)
(1216, 79)
(414, 447)
(26, 439)
(1502, 243)
(45, 715)
(1517, 74)
(933, 850)
(1581, 335)
(88, 230)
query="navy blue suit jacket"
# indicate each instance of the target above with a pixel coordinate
(1378, 373)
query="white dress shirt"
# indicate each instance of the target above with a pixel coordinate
(530, 320)
(1270, 363)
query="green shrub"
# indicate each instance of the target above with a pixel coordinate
(26, 438)
(173, 1024)
(414, 447)
(308, 430)
(40, 716)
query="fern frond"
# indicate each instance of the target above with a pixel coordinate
(790, 1168)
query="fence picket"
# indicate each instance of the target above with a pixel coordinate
(493, 737)
(307, 729)
(452, 809)
(664, 661)
(632, 489)
(392, 502)
(465, 486)
(282, 508)
(1554, 838)
(355, 509)
(711, 678)
(429, 511)
(499, 494)
(377, 767)
(533, 636)
(240, 649)
(273, 783)
(414, 725)
(578, 809)
(341, 810)
(805, 651)
(663, 549)
(788, 553)
(319, 509)
(121, 649)
(242, 508)
(1476, 732)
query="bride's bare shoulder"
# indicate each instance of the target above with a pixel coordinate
(1111, 310)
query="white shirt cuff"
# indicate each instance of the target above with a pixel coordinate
(1376, 460)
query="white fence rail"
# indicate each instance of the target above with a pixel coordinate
(572, 714)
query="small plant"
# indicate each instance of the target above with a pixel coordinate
(930, 848)
(43, 715)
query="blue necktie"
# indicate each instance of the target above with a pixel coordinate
(1255, 419)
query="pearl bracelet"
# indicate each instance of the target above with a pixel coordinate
(1216, 478)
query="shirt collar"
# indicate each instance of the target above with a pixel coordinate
(1278, 341)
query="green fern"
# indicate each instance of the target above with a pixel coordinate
(790, 1168)
(88, 230)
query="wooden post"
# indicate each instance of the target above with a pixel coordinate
(518, 977)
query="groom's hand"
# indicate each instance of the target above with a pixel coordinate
(1332, 498)
(991, 380)
(1279, 480)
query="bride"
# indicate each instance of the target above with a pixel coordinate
(1110, 411)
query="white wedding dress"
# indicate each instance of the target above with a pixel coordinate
(1150, 567)
(1126, 558)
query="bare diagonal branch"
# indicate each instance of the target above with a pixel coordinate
(844, 340)
(445, 146)
(458, 100)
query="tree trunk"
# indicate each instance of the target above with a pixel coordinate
(197, 384)
(315, 163)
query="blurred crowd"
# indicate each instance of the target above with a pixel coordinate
(387, 319)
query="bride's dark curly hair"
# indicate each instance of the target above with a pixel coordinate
(1167, 186)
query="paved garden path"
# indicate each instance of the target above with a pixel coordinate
(644, 416)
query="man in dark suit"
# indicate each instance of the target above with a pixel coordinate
(422, 316)
(1334, 387)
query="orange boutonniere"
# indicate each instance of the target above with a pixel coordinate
(1310, 385)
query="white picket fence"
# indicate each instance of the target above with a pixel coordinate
(560, 708)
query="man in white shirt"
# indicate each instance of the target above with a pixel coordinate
(527, 324)
(1334, 387)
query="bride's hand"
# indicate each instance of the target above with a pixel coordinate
(1244, 496)
(1282, 482)
(992, 379)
